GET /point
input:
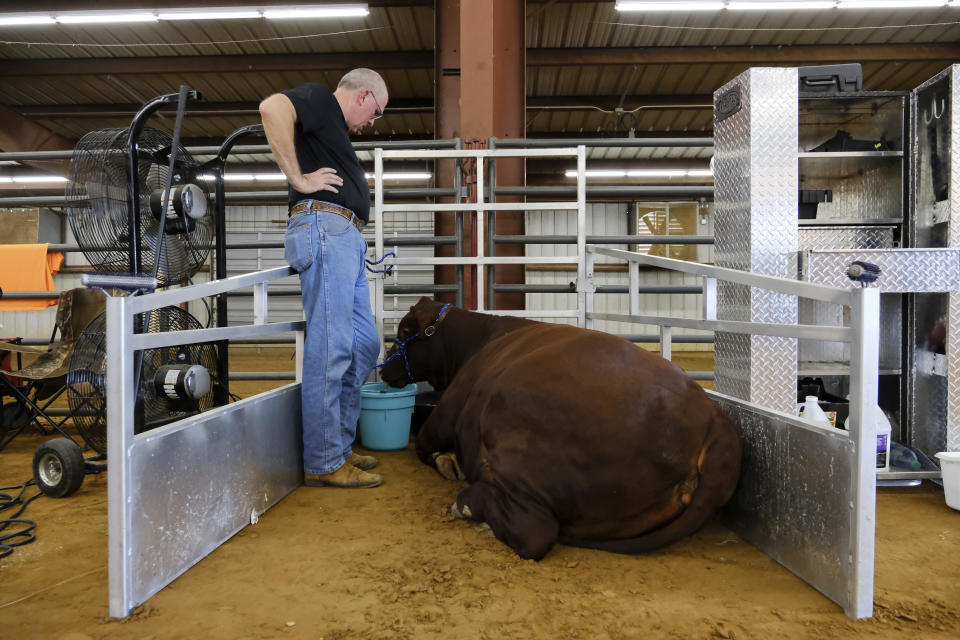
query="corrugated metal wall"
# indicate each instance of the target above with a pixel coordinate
(39, 324)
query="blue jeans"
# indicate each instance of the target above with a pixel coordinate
(341, 343)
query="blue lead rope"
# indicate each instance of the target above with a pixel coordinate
(389, 268)
(402, 344)
(402, 350)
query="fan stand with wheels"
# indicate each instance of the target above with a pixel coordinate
(135, 202)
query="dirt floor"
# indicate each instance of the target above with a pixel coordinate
(391, 563)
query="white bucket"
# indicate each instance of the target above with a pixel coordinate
(950, 468)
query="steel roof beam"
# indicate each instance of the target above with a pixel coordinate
(806, 54)
(201, 108)
(406, 105)
(181, 65)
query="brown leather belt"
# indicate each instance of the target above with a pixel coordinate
(315, 205)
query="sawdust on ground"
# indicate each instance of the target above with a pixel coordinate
(391, 563)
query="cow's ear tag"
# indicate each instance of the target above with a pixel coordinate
(429, 331)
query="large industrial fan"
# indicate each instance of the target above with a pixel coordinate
(98, 205)
(135, 202)
(175, 382)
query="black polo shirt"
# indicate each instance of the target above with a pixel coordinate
(322, 139)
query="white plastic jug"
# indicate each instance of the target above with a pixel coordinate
(810, 410)
(883, 439)
(883, 436)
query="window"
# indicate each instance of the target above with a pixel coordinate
(668, 219)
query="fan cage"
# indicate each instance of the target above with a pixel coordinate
(97, 205)
(86, 378)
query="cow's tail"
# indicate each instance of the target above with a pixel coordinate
(718, 470)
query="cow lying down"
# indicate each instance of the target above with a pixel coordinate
(564, 434)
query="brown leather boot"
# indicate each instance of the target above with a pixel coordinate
(347, 476)
(362, 462)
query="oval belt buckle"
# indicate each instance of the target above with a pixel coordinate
(429, 331)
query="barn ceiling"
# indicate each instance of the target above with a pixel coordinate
(591, 70)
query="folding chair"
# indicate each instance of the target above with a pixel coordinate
(44, 379)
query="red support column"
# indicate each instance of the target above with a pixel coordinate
(447, 125)
(493, 102)
(489, 51)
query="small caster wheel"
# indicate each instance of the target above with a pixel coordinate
(58, 467)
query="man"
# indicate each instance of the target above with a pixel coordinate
(308, 131)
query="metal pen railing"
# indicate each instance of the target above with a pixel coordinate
(858, 443)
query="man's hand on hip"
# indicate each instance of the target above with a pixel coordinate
(325, 179)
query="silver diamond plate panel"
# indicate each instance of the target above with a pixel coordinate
(793, 499)
(826, 238)
(902, 270)
(862, 188)
(825, 314)
(755, 176)
(928, 401)
(953, 371)
(935, 400)
(863, 117)
(939, 96)
(847, 237)
(815, 353)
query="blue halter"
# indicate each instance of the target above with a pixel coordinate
(428, 331)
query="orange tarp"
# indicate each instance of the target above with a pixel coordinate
(27, 267)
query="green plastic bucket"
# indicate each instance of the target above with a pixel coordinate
(385, 416)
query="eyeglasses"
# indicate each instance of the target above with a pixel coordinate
(379, 112)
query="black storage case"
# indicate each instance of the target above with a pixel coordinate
(808, 201)
(830, 79)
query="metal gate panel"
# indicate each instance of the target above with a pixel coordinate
(795, 500)
(199, 481)
(177, 492)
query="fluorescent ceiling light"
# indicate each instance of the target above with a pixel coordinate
(31, 179)
(187, 13)
(890, 4)
(17, 19)
(105, 16)
(254, 177)
(642, 173)
(208, 14)
(679, 5)
(326, 11)
(279, 177)
(657, 173)
(599, 173)
(775, 5)
(412, 175)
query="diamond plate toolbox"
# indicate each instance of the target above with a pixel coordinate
(901, 270)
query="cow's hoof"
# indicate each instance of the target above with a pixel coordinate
(460, 513)
(448, 466)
